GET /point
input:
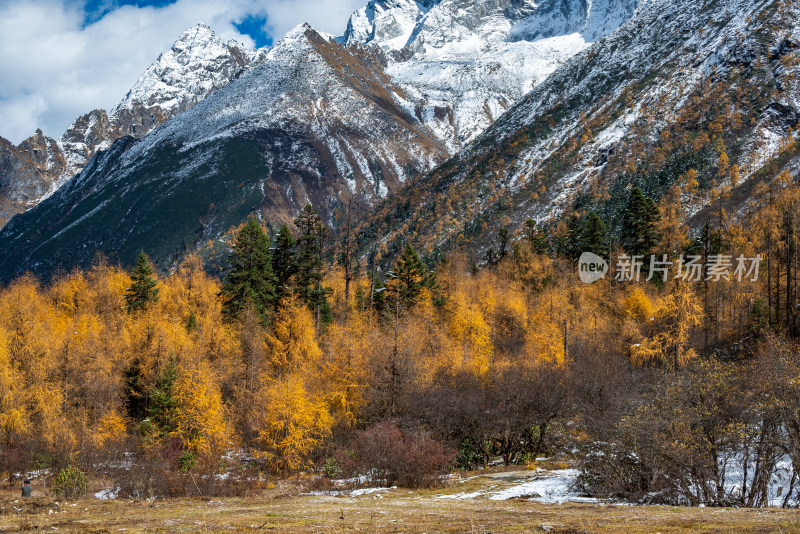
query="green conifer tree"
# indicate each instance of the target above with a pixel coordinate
(407, 279)
(309, 265)
(536, 236)
(639, 231)
(250, 279)
(283, 263)
(143, 290)
(593, 235)
(162, 405)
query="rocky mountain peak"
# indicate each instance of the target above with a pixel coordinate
(387, 23)
(198, 64)
(199, 34)
(465, 62)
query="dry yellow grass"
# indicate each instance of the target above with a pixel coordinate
(284, 510)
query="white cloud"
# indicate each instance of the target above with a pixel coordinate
(53, 70)
(326, 15)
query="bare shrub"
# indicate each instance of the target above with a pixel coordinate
(158, 474)
(396, 458)
(511, 414)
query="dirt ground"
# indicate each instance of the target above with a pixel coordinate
(285, 509)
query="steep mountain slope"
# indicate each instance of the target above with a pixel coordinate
(656, 104)
(321, 119)
(314, 122)
(461, 64)
(198, 64)
(466, 62)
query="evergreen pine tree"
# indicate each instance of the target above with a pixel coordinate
(498, 250)
(309, 264)
(283, 263)
(250, 278)
(163, 406)
(191, 322)
(536, 236)
(143, 290)
(407, 279)
(593, 235)
(570, 245)
(639, 230)
(503, 237)
(136, 397)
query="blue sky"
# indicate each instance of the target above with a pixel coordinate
(60, 59)
(253, 25)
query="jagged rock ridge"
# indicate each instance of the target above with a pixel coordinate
(466, 62)
(197, 65)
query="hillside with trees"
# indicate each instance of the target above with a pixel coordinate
(661, 391)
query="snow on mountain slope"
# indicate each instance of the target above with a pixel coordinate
(308, 81)
(459, 64)
(198, 64)
(26, 172)
(467, 62)
(317, 119)
(314, 122)
(672, 89)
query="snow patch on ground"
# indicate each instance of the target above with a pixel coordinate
(548, 487)
(540, 486)
(780, 484)
(107, 494)
(352, 493)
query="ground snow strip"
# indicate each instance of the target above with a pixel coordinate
(540, 486)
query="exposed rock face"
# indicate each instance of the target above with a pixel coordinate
(197, 65)
(27, 172)
(466, 62)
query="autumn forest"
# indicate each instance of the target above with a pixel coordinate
(298, 359)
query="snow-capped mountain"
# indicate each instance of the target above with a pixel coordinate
(465, 62)
(198, 64)
(343, 122)
(671, 91)
(329, 120)
(459, 64)
(27, 172)
(314, 122)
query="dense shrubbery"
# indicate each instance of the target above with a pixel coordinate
(716, 433)
(70, 483)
